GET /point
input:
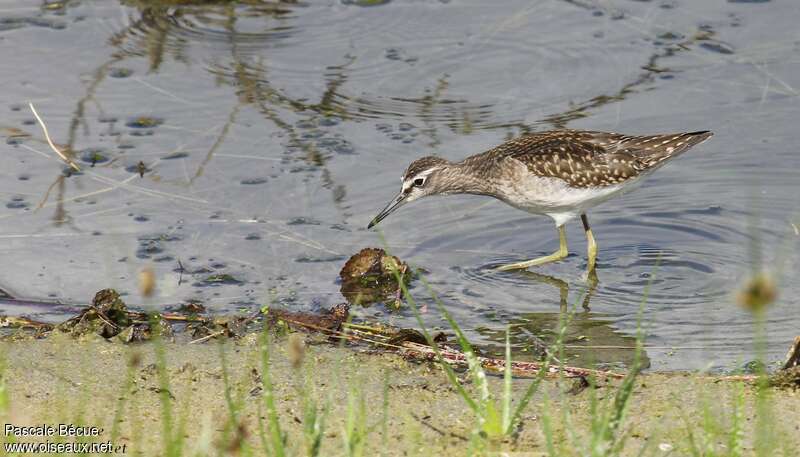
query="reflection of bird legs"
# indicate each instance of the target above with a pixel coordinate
(563, 287)
(591, 279)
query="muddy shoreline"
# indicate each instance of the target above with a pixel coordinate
(56, 380)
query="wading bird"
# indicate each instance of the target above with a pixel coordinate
(560, 173)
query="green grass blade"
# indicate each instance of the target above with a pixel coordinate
(507, 425)
(273, 423)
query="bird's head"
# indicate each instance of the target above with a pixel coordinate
(422, 178)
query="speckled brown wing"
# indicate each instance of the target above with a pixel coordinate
(594, 159)
(648, 150)
(564, 155)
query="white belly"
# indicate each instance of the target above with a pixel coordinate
(555, 198)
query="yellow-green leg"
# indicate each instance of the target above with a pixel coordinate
(591, 245)
(558, 255)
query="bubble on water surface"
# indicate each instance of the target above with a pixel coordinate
(312, 259)
(365, 2)
(303, 221)
(176, 155)
(118, 72)
(218, 279)
(329, 121)
(253, 181)
(17, 203)
(148, 248)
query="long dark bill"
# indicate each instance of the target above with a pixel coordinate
(396, 202)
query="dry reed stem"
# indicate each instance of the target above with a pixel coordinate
(50, 142)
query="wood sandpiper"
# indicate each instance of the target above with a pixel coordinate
(560, 173)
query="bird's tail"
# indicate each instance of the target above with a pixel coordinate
(658, 148)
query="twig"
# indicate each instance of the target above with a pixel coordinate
(174, 317)
(454, 357)
(50, 142)
(208, 337)
(104, 318)
(49, 189)
(741, 377)
(22, 322)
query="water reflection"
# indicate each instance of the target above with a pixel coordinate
(563, 287)
(245, 30)
(170, 28)
(590, 339)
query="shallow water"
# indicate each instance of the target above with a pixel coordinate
(273, 132)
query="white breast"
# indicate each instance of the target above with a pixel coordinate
(553, 197)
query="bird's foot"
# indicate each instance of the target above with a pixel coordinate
(556, 256)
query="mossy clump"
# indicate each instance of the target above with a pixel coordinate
(107, 316)
(143, 331)
(327, 321)
(227, 327)
(371, 276)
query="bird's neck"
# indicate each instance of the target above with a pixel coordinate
(464, 178)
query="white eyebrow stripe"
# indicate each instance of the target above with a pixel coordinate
(424, 174)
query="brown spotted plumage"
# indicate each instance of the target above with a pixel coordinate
(591, 159)
(561, 173)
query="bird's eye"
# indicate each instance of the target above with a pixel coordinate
(419, 182)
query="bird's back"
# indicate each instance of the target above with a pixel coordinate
(591, 159)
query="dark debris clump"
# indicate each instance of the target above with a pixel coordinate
(372, 276)
(107, 316)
